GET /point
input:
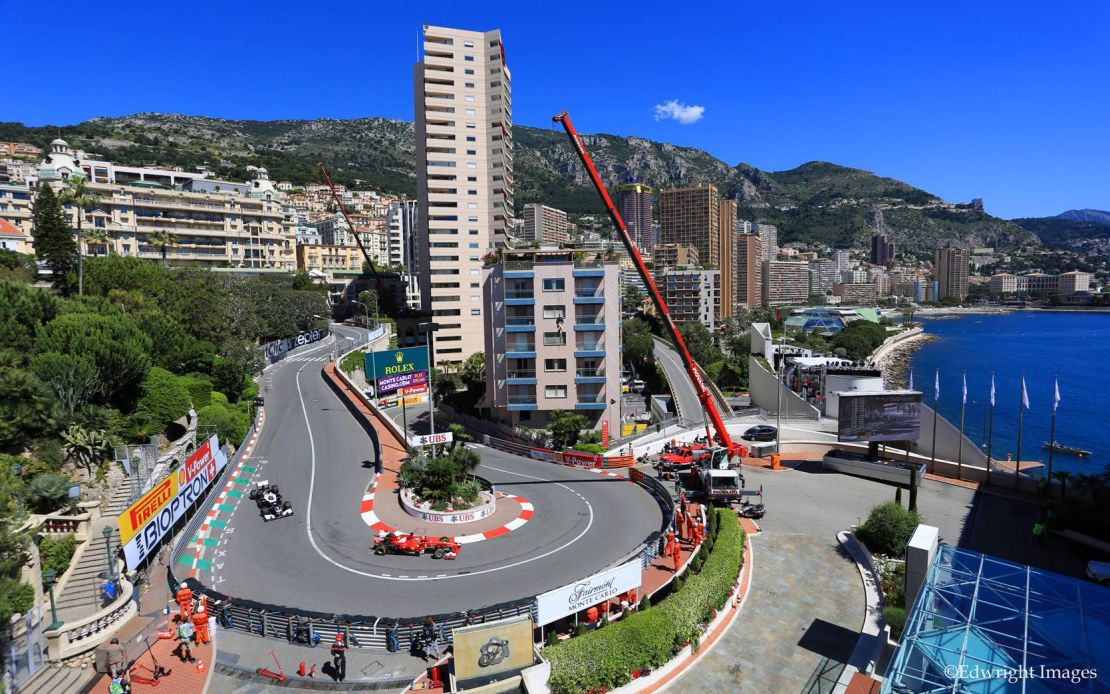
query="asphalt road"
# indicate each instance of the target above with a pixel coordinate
(681, 387)
(319, 559)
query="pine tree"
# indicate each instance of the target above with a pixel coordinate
(53, 238)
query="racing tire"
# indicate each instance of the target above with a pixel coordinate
(380, 550)
(274, 489)
(287, 506)
(253, 495)
(439, 553)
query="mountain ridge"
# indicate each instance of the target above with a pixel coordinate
(816, 201)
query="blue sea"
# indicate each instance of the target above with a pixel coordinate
(1042, 345)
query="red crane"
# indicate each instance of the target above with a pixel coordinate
(723, 439)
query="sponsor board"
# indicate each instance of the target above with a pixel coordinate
(578, 459)
(432, 439)
(414, 390)
(492, 651)
(394, 362)
(150, 520)
(587, 592)
(605, 434)
(388, 384)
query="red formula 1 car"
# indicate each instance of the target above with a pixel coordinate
(415, 545)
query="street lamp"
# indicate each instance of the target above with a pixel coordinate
(107, 532)
(48, 579)
(429, 329)
(373, 359)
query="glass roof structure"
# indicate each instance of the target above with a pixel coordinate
(982, 625)
(816, 319)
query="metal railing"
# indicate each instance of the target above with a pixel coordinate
(522, 399)
(590, 292)
(590, 373)
(520, 320)
(519, 294)
(522, 373)
(520, 347)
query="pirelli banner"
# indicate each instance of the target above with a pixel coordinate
(148, 521)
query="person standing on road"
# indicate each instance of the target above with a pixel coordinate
(339, 657)
(200, 622)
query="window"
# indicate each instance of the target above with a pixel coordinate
(468, 58)
(471, 192)
(472, 179)
(472, 205)
(554, 284)
(468, 99)
(473, 245)
(471, 165)
(472, 219)
(469, 71)
(555, 391)
(555, 339)
(471, 138)
(471, 125)
(468, 44)
(470, 112)
(473, 232)
(555, 311)
(554, 364)
(475, 271)
(475, 311)
(471, 152)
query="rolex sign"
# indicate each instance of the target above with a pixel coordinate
(396, 362)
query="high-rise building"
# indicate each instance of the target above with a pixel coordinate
(770, 235)
(748, 288)
(785, 282)
(743, 227)
(553, 337)
(692, 216)
(634, 205)
(464, 174)
(882, 249)
(843, 261)
(951, 266)
(693, 295)
(544, 224)
(402, 247)
(727, 263)
(823, 276)
(1073, 282)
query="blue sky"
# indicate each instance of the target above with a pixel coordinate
(1008, 101)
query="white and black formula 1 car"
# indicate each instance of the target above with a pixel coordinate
(270, 503)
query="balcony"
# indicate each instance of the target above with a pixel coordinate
(520, 350)
(520, 324)
(595, 322)
(591, 401)
(520, 297)
(520, 377)
(589, 295)
(522, 402)
(588, 269)
(589, 349)
(595, 375)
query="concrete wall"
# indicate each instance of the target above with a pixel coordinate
(948, 444)
(764, 387)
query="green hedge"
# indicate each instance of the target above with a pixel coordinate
(56, 554)
(650, 638)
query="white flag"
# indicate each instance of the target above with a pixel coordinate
(965, 388)
(936, 387)
(992, 389)
(1024, 393)
(1056, 395)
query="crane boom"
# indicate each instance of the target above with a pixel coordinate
(350, 225)
(692, 370)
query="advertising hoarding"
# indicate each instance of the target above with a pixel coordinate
(879, 416)
(150, 519)
(388, 384)
(432, 439)
(577, 596)
(394, 362)
(492, 651)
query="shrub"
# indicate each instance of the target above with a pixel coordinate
(47, 493)
(355, 361)
(888, 529)
(56, 554)
(200, 389)
(230, 425)
(896, 618)
(594, 448)
(649, 638)
(645, 604)
(892, 581)
(15, 597)
(552, 638)
(165, 397)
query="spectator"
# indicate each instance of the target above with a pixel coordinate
(117, 659)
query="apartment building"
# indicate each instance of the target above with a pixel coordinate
(328, 259)
(1004, 283)
(882, 249)
(16, 202)
(464, 165)
(748, 288)
(727, 261)
(822, 276)
(951, 266)
(21, 150)
(693, 295)
(402, 250)
(12, 238)
(545, 224)
(673, 255)
(553, 337)
(334, 231)
(857, 293)
(1073, 282)
(770, 235)
(785, 282)
(634, 202)
(843, 260)
(692, 216)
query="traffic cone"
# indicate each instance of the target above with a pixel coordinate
(200, 665)
(312, 672)
(301, 670)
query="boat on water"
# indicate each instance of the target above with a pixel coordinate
(1061, 448)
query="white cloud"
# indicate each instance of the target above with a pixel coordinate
(675, 110)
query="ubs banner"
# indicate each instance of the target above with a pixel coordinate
(148, 521)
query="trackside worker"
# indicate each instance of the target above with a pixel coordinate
(200, 622)
(677, 558)
(185, 601)
(339, 656)
(679, 522)
(672, 546)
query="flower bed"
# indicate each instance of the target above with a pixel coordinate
(649, 638)
(483, 508)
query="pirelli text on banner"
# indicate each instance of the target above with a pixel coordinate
(149, 521)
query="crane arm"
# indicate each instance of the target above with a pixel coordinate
(350, 225)
(692, 370)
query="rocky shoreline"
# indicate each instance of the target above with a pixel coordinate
(896, 362)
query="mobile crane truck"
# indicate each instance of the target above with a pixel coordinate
(714, 468)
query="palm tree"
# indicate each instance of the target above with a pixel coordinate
(1063, 476)
(78, 194)
(98, 235)
(164, 240)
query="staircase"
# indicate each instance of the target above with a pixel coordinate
(58, 680)
(81, 596)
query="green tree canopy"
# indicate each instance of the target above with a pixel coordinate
(120, 272)
(22, 310)
(699, 342)
(114, 343)
(566, 427)
(72, 377)
(637, 341)
(27, 409)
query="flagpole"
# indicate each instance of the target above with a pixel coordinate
(1021, 412)
(1052, 436)
(990, 434)
(960, 450)
(936, 396)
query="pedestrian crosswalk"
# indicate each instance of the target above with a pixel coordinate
(307, 359)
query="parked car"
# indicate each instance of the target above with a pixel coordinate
(761, 432)
(1099, 571)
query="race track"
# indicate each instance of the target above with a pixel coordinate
(319, 559)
